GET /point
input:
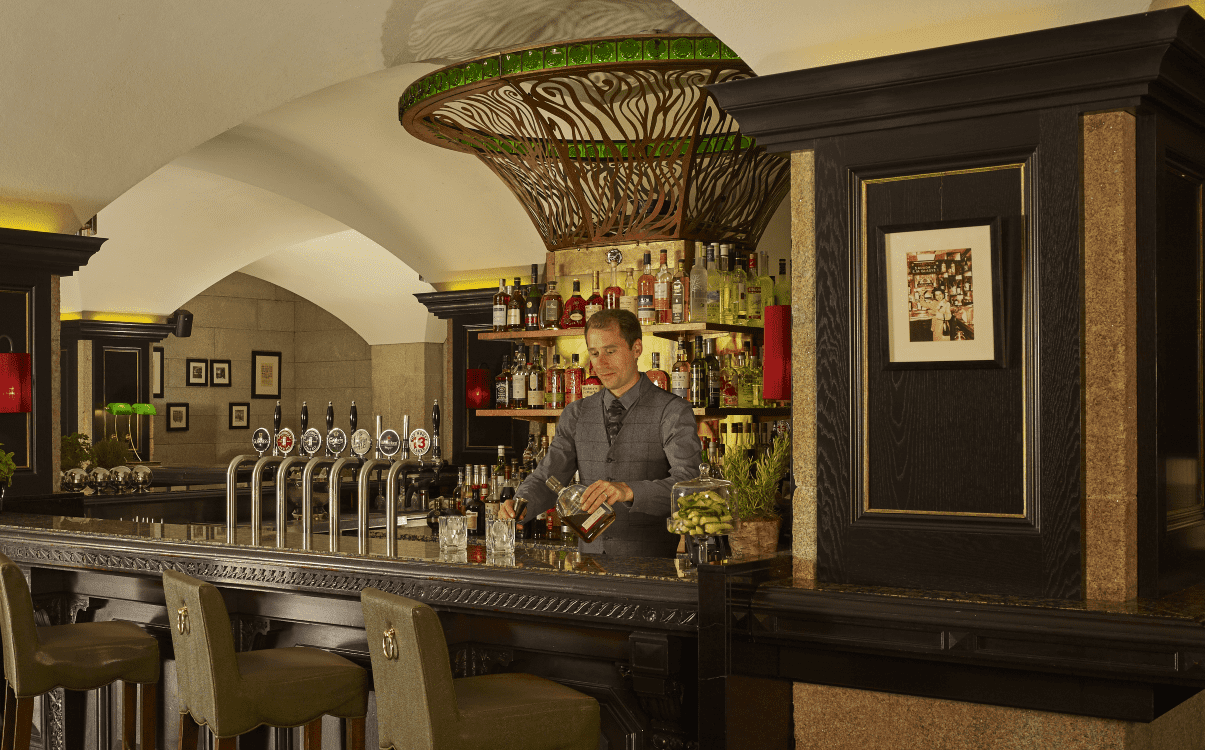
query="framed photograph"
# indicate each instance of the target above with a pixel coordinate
(240, 416)
(265, 374)
(177, 417)
(196, 372)
(941, 289)
(219, 373)
(157, 372)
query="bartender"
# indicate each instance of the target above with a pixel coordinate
(631, 443)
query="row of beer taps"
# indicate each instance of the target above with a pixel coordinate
(392, 455)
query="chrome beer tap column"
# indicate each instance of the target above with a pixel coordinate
(306, 449)
(361, 443)
(281, 447)
(335, 480)
(261, 440)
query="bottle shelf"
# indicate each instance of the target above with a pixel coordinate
(664, 330)
(545, 415)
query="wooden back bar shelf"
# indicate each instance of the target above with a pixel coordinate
(662, 330)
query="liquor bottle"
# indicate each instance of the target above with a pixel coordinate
(782, 285)
(630, 294)
(614, 293)
(756, 378)
(502, 385)
(529, 455)
(698, 287)
(591, 385)
(679, 377)
(729, 384)
(474, 508)
(715, 379)
(458, 495)
(646, 309)
(765, 284)
(661, 290)
(531, 309)
(506, 490)
(716, 279)
(500, 467)
(551, 308)
(739, 281)
(727, 288)
(588, 526)
(679, 296)
(554, 385)
(753, 295)
(573, 380)
(501, 301)
(574, 312)
(596, 302)
(657, 375)
(744, 384)
(518, 380)
(535, 379)
(698, 376)
(542, 450)
(515, 310)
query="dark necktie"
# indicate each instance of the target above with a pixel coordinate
(614, 419)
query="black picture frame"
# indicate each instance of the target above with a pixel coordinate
(246, 416)
(220, 374)
(907, 353)
(196, 373)
(171, 411)
(157, 372)
(265, 383)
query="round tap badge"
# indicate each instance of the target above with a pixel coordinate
(261, 440)
(311, 441)
(336, 441)
(361, 443)
(389, 444)
(285, 441)
(420, 442)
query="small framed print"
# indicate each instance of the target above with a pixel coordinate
(265, 374)
(941, 289)
(177, 417)
(196, 372)
(219, 373)
(240, 416)
(157, 372)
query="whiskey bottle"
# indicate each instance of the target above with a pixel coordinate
(531, 305)
(591, 385)
(535, 379)
(588, 526)
(573, 380)
(554, 385)
(551, 308)
(657, 375)
(661, 290)
(515, 309)
(679, 377)
(595, 302)
(646, 310)
(474, 508)
(679, 296)
(574, 313)
(614, 293)
(502, 385)
(518, 379)
(501, 301)
(630, 294)
(698, 376)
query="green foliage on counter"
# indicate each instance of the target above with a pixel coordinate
(754, 482)
(7, 467)
(75, 450)
(110, 453)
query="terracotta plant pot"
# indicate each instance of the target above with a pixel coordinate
(755, 537)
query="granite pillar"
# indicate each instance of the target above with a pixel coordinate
(803, 360)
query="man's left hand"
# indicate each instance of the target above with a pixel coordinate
(603, 491)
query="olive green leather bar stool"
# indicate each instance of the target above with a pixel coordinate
(420, 706)
(233, 693)
(84, 656)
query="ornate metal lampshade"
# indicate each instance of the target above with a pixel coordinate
(478, 390)
(16, 396)
(608, 140)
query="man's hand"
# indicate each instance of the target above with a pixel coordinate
(603, 491)
(507, 509)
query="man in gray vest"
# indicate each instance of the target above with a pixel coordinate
(631, 443)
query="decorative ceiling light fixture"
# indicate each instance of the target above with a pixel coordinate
(16, 392)
(608, 140)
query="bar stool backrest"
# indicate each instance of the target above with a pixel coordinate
(416, 703)
(18, 629)
(206, 665)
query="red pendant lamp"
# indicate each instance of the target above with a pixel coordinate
(16, 393)
(478, 388)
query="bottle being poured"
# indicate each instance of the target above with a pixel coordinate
(588, 526)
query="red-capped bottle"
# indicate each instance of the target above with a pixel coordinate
(574, 375)
(591, 385)
(573, 314)
(659, 377)
(595, 301)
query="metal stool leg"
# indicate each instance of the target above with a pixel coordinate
(189, 731)
(313, 735)
(355, 733)
(147, 715)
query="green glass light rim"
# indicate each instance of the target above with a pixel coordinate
(118, 408)
(574, 54)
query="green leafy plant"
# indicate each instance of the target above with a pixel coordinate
(7, 468)
(110, 453)
(75, 450)
(754, 482)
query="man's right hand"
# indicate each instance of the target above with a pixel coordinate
(507, 509)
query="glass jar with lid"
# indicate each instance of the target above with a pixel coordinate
(702, 509)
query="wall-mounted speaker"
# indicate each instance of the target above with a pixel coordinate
(183, 321)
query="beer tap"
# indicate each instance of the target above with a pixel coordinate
(260, 442)
(334, 482)
(282, 445)
(275, 428)
(330, 425)
(306, 450)
(435, 454)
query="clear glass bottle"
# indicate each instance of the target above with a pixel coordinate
(744, 387)
(573, 380)
(630, 299)
(595, 302)
(753, 295)
(535, 379)
(614, 293)
(726, 306)
(574, 312)
(782, 284)
(529, 454)
(679, 296)
(516, 308)
(717, 279)
(554, 385)
(739, 283)
(542, 450)
(518, 380)
(588, 526)
(661, 290)
(501, 301)
(679, 377)
(551, 308)
(646, 310)
(765, 284)
(698, 287)
(659, 377)
(502, 385)
(730, 385)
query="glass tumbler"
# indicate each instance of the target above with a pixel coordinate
(500, 535)
(453, 532)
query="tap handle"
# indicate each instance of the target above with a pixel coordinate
(276, 419)
(305, 416)
(435, 418)
(353, 417)
(330, 416)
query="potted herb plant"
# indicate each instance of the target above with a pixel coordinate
(753, 488)
(7, 468)
(75, 451)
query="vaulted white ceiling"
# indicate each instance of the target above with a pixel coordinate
(223, 136)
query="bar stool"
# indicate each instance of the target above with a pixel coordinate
(84, 656)
(235, 693)
(419, 705)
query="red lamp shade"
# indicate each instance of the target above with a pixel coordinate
(776, 362)
(478, 388)
(15, 392)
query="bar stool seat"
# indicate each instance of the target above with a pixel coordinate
(233, 693)
(419, 705)
(84, 656)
